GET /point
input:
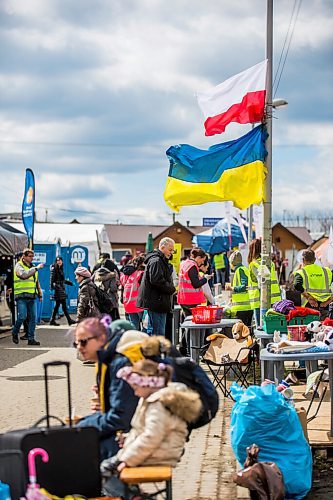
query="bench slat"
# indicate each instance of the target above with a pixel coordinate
(151, 474)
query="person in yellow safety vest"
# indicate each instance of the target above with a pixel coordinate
(314, 282)
(254, 261)
(220, 267)
(240, 293)
(26, 290)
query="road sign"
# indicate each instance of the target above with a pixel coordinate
(210, 221)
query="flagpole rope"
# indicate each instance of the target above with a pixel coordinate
(289, 43)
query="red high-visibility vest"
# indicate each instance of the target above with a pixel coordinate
(130, 291)
(188, 295)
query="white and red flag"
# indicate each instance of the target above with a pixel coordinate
(239, 99)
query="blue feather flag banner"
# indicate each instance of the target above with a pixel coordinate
(232, 171)
(28, 205)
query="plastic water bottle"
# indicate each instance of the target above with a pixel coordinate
(4, 491)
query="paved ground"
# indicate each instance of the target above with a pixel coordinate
(206, 469)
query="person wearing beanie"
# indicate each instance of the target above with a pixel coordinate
(87, 302)
(240, 294)
(114, 404)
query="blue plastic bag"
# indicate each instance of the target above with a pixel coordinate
(261, 415)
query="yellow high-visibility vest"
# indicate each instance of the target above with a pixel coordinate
(28, 285)
(219, 262)
(317, 281)
(254, 291)
(240, 300)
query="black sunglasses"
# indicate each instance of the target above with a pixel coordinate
(83, 342)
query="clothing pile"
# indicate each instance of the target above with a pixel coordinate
(295, 347)
(287, 309)
(301, 311)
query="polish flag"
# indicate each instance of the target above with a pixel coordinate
(239, 99)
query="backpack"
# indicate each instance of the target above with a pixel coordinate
(192, 375)
(104, 300)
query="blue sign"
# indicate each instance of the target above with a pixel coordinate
(28, 205)
(210, 221)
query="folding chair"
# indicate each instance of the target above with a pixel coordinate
(214, 355)
(315, 391)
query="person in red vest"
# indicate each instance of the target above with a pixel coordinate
(190, 293)
(130, 279)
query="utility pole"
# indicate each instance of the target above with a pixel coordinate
(265, 270)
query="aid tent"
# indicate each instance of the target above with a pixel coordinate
(12, 241)
(221, 237)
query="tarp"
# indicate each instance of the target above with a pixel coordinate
(322, 252)
(216, 239)
(12, 241)
(92, 236)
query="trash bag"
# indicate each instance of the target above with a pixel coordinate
(263, 416)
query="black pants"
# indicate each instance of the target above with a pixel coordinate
(115, 314)
(246, 317)
(323, 311)
(185, 340)
(63, 304)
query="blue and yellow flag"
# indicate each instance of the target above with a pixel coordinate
(232, 171)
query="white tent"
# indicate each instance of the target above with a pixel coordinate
(92, 236)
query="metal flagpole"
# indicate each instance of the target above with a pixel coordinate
(265, 277)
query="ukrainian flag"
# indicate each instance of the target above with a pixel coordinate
(232, 171)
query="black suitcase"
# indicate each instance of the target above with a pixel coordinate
(12, 472)
(73, 466)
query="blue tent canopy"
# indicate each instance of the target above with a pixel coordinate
(216, 239)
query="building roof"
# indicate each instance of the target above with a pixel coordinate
(137, 233)
(302, 233)
(132, 233)
(198, 229)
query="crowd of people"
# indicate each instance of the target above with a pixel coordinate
(149, 287)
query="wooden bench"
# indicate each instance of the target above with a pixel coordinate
(151, 474)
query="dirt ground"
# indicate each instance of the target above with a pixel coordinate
(322, 482)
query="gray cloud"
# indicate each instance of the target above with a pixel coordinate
(112, 85)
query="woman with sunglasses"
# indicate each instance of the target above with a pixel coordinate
(57, 283)
(111, 347)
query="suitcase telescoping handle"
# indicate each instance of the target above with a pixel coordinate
(46, 366)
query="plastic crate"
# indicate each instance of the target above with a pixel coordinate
(207, 314)
(303, 320)
(274, 322)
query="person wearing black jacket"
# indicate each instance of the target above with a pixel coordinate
(57, 283)
(156, 288)
(105, 261)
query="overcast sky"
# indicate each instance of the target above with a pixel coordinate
(94, 92)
